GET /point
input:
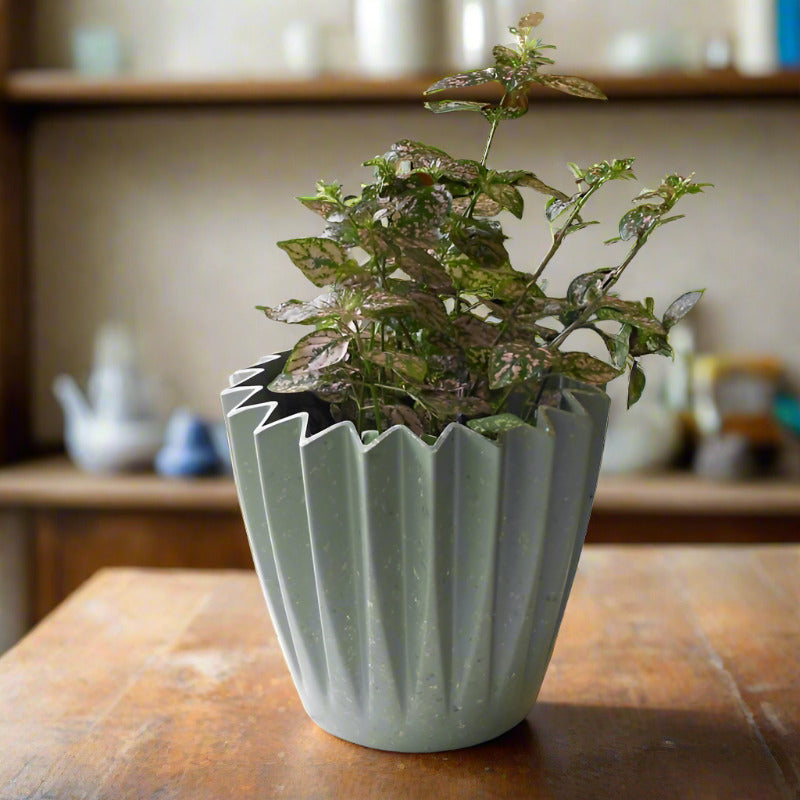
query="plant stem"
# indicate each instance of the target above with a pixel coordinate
(592, 307)
(492, 131)
(557, 240)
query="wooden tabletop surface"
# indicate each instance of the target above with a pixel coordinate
(676, 675)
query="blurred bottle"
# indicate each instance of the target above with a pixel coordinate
(789, 33)
(396, 37)
(756, 40)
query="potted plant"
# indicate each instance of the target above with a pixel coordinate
(416, 475)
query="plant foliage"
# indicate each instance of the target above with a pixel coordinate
(424, 321)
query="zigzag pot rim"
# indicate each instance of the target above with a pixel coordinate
(416, 589)
(542, 423)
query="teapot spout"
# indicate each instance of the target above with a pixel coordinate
(73, 402)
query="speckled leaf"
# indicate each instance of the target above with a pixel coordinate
(482, 242)
(632, 313)
(376, 303)
(588, 287)
(507, 196)
(415, 219)
(570, 84)
(403, 415)
(449, 106)
(322, 261)
(505, 56)
(474, 78)
(643, 343)
(681, 307)
(484, 207)
(448, 406)
(305, 312)
(636, 384)
(319, 205)
(638, 221)
(424, 269)
(557, 206)
(516, 363)
(531, 20)
(497, 424)
(505, 283)
(429, 310)
(422, 155)
(586, 368)
(298, 382)
(530, 181)
(408, 366)
(317, 350)
(473, 332)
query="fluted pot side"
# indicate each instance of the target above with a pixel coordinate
(416, 589)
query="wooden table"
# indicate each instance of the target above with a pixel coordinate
(676, 675)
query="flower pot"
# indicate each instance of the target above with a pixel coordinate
(416, 590)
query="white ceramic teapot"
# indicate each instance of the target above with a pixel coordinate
(115, 426)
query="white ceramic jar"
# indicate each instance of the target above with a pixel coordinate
(396, 37)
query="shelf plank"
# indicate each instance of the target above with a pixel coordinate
(45, 88)
(55, 483)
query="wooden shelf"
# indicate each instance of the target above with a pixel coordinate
(55, 483)
(43, 89)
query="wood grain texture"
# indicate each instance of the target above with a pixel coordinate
(675, 676)
(45, 89)
(71, 545)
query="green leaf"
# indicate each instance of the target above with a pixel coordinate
(587, 288)
(632, 313)
(319, 205)
(484, 206)
(507, 196)
(446, 405)
(638, 221)
(471, 331)
(643, 343)
(312, 312)
(557, 206)
(530, 181)
(297, 382)
(636, 384)
(317, 350)
(681, 307)
(403, 415)
(492, 427)
(408, 366)
(322, 261)
(425, 269)
(586, 368)
(482, 242)
(531, 20)
(515, 363)
(375, 304)
(571, 84)
(429, 310)
(505, 56)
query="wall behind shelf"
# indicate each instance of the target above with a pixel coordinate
(168, 220)
(157, 33)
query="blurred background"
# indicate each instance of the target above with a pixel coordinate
(160, 215)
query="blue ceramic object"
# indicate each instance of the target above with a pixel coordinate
(188, 447)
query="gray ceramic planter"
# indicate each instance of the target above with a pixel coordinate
(416, 590)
